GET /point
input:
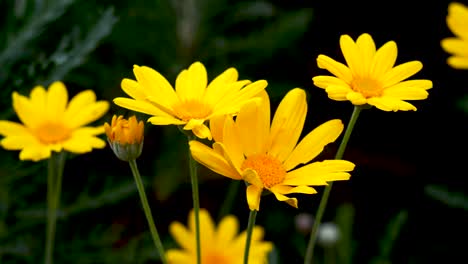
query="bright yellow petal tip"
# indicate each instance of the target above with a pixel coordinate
(370, 77)
(50, 123)
(457, 46)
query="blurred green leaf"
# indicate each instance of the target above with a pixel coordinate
(450, 198)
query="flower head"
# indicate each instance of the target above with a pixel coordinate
(457, 21)
(51, 123)
(370, 76)
(221, 244)
(125, 137)
(265, 156)
(193, 101)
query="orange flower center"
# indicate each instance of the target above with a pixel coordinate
(192, 109)
(51, 133)
(215, 258)
(269, 169)
(367, 87)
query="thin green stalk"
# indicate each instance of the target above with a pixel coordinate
(196, 200)
(323, 202)
(250, 227)
(229, 200)
(54, 185)
(146, 208)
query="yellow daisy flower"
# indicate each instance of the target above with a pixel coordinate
(193, 101)
(370, 76)
(51, 123)
(267, 156)
(457, 21)
(221, 244)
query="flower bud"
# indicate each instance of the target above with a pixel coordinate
(125, 137)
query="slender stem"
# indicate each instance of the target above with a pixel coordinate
(196, 200)
(323, 202)
(229, 200)
(250, 227)
(54, 185)
(146, 208)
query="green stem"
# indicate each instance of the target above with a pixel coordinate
(229, 200)
(146, 208)
(323, 202)
(250, 227)
(196, 200)
(54, 186)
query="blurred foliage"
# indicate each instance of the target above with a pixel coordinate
(448, 197)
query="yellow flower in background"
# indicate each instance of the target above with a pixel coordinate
(125, 137)
(219, 244)
(370, 76)
(193, 101)
(457, 22)
(266, 156)
(51, 123)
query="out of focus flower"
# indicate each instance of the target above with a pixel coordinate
(457, 22)
(51, 123)
(125, 137)
(219, 244)
(193, 101)
(370, 76)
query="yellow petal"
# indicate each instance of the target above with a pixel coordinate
(253, 128)
(78, 102)
(319, 173)
(286, 189)
(220, 86)
(19, 142)
(26, 111)
(390, 104)
(216, 127)
(282, 198)
(201, 131)
(352, 55)
(57, 99)
(406, 93)
(155, 85)
(455, 46)
(323, 81)
(144, 107)
(338, 92)
(415, 83)
(227, 231)
(232, 102)
(89, 114)
(184, 237)
(384, 59)
(175, 256)
(232, 144)
(38, 97)
(35, 153)
(198, 81)
(82, 143)
(207, 227)
(133, 89)
(314, 143)
(212, 160)
(253, 197)
(336, 68)
(366, 47)
(458, 62)
(9, 128)
(252, 177)
(356, 98)
(401, 72)
(288, 123)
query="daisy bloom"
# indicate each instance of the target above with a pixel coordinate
(125, 137)
(457, 22)
(51, 123)
(219, 244)
(193, 101)
(266, 157)
(370, 76)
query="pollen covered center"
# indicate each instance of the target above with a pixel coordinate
(191, 109)
(51, 133)
(367, 87)
(269, 169)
